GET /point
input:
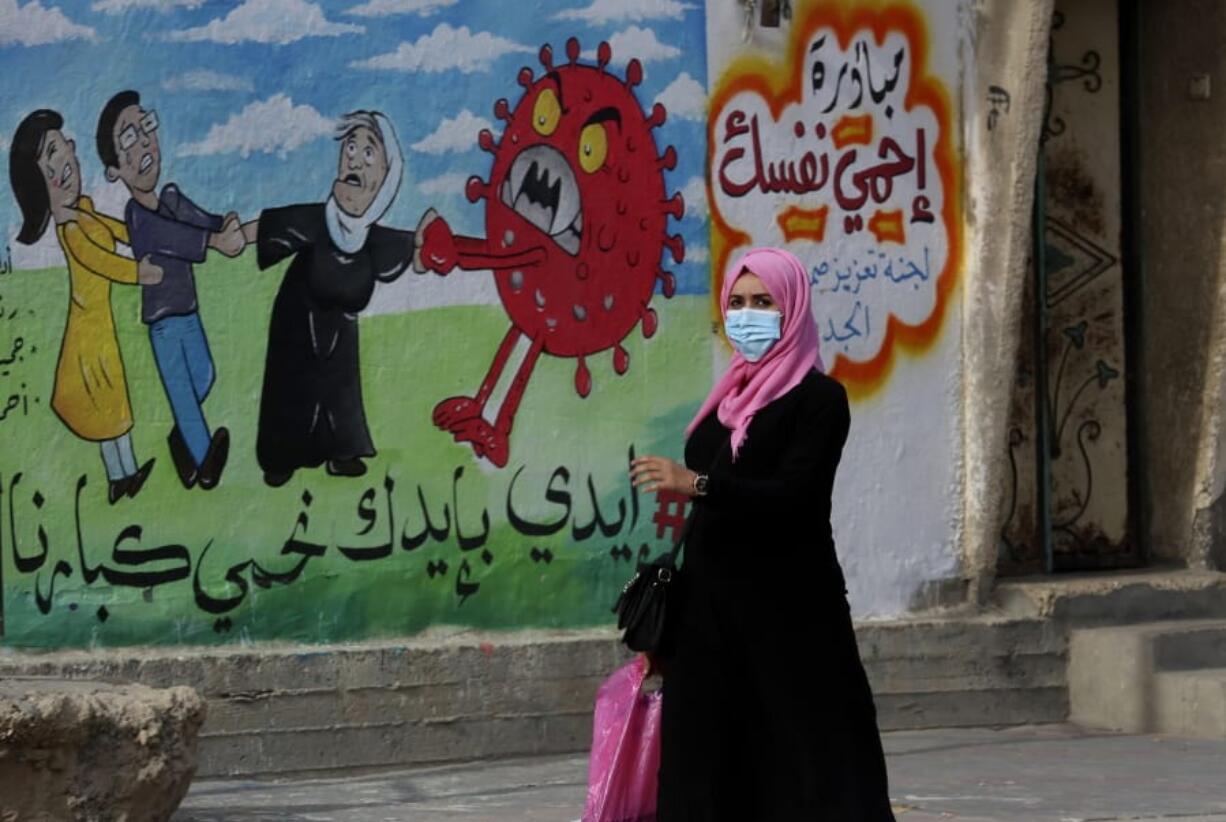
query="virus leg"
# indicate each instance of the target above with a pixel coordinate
(492, 442)
(451, 412)
(510, 404)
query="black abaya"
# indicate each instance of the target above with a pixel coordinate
(767, 713)
(311, 408)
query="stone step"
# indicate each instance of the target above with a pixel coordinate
(467, 695)
(1202, 645)
(1149, 677)
(1191, 702)
(1115, 598)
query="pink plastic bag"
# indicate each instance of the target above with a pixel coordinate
(622, 771)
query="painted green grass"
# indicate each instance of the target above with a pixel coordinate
(410, 362)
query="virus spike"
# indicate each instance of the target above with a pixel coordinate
(621, 360)
(657, 117)
(669, 283)
(485, 139)
(675, 244)
(604, 53)
(572, 50)
(547, 57)
(525, 74)
(675, 206)
(668, 159)
(634, 73)
(476, 189)
(583, 378)
(502, 110)
(651, 321)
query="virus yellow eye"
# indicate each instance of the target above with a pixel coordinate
(593, 147)
(546, 113)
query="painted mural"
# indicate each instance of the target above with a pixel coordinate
(850, 142)
(834, 131)
(299, 344)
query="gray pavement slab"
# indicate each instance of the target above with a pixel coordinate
(1044, 772)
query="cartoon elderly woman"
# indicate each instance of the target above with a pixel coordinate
(311, 410)
(91, 390)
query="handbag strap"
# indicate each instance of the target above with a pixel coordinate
(689, 520)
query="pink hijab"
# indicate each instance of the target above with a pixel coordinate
(746, 387)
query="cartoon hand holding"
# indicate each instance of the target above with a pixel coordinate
(434, 246)
(229, 241)
(147, 271)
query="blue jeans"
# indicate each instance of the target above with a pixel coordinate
(186, 367)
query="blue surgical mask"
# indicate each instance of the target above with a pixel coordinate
(752, 331)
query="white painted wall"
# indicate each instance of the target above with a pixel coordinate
(899, 495)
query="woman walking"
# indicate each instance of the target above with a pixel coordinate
(767, 713)
(91, 389)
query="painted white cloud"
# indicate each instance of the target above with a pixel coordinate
(457, 133)
(206, 80)
(697, 254)
(445, 49)
(35, 25)
(268, 21)
(387, 8)
(640, 43)
(444, 184)
(120, 6)
(46, 253)
(617, 11)
(684, 98)
(109, 198)
(272, 126)
(694, 192)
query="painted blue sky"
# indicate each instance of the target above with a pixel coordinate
(246, 90)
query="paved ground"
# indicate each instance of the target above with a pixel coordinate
(1048, 772)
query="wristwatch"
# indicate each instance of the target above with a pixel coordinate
(701, 481)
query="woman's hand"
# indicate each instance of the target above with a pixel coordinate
(662, 474)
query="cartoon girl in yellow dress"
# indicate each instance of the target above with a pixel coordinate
(91, 390)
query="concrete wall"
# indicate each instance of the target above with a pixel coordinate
(918, 504)
(1182, 174)
(454, 696)
(801, 119)
(522, 516)
(1005, 105)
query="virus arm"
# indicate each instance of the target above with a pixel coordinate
(439, 250)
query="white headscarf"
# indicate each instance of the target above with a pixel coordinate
(348, 233)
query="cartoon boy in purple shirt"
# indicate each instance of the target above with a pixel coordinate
(176, 233)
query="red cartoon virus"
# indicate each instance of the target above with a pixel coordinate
(576, 219)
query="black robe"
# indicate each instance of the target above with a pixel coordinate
(311, 407)
(767, 712)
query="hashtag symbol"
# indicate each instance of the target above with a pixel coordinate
(670, 513)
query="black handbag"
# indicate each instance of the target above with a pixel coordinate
(643, 605)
